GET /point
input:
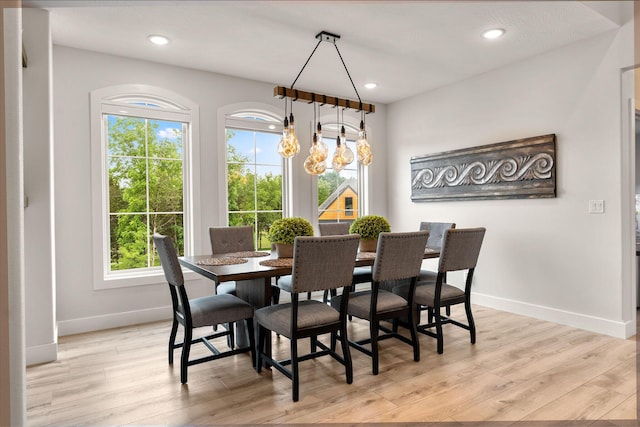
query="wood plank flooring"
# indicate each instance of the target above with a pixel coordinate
(520, 371)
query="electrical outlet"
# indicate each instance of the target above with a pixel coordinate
(596, 206)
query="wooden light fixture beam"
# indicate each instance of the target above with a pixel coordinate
(310, 97)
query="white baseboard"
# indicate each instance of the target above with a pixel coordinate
(41, 353)
(115, 320)
(618, 329)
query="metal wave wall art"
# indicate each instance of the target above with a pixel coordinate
(523, 168)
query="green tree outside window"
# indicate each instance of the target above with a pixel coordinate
(145, 188)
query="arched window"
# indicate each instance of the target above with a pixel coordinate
(142, 179)
(255, 178)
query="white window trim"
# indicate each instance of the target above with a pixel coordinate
(225, 117)
(104, 101)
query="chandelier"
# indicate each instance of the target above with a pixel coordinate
(315, 163)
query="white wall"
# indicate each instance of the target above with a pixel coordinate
(13, 399)
(76, 73)
(41, 335)
(547, 258)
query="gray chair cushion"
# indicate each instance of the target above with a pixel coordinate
(428, 276)
(425, 294)
(215, 309)
(360, 303)
(285, 283)
(226, 288)
(311, 313)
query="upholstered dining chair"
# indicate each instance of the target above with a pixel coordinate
(333, 228)
(234, 239)
(436, 234)
(398, 257)
(196, 313)
(460, 251)
(360, 274)
(319, 263)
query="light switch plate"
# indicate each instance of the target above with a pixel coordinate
(596, 206)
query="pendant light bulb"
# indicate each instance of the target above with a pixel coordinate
(314, 167)
(362, 147)
(347, 154)
(283, 145)
(294, 145)
(338, 162)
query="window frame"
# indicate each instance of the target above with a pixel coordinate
(117, 100)
(230, 117)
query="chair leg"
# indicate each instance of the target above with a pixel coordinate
(232, 335)
(252, 340)
(260, 347)
(275, 295)
(373, 329)
(184, 359)
(346, 353)
(470, 321)
(439, 330)
(294, 370)
(413, 329)
(172, 339)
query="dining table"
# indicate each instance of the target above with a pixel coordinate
(254, 271)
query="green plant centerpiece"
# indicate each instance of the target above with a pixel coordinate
(368, 227)
(284, 231)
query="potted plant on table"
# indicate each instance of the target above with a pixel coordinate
(284, 231)
(368, 227)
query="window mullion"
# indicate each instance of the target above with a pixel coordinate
(148, 207)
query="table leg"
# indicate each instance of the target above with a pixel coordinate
(256, 292)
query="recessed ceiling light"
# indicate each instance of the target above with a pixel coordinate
(493, 33)
(157, 39)
(370, 85)
(272, 127)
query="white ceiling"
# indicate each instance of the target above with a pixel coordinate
(407, 47)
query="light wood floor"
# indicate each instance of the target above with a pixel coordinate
(520, 369)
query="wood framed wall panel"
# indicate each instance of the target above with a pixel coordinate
(522, 168)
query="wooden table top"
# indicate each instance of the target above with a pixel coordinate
(253, 269)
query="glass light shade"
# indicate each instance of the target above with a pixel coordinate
(365, 156)
(314, 167)
(338, 159)
(320, 151)
(293, 139)
(347, 154)
(288, 145)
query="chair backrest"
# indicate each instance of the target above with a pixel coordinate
(334, 228)
(436, 232)
(169, 259)
(399, 255)
(460, 249)
(231, 239)
(324, 262)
